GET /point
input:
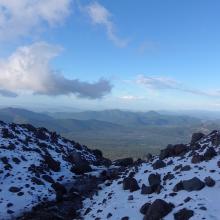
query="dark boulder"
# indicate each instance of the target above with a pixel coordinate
(178, 187)
(111, 174)
(194, 184)
(179, 149)
(187, 199)
(197, 159)
(216, 139)
(165, 153)
(168, 176)
(183, 214)
(81, 168)
(154, 180)
(47, 178)
(186, 168)
(158, 164)
(209, 181)
(131, 184)
(144, 208)
(60, 191)
(177, 167)
(58, 187)
(37, 181)
(130, 197)
(145, 190)
(7, 134)
(173, 150)
(75, 157)
(40, 133)
(196, 137)
(84, 185)
(14, 189)
(97, 153)
(51, 163)
(158, 209)
(209, 153)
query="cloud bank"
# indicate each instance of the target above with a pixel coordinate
(164, 83)
(28, 69)
(19, 18)
(99, 15)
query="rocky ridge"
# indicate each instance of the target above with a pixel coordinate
(40, 169)
(181, 183)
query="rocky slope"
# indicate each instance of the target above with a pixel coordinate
(182, 183)
(46, 177)
(38, 166)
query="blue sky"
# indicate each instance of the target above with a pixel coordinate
(139, 55)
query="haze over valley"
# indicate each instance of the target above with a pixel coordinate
(117, 133)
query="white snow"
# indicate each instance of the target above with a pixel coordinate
(19, 176)
(119, 205)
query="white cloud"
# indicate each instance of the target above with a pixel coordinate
(28, 69)
(165, 83)
(131, 97)
(157, 82)
(20, 18)
(101, 16)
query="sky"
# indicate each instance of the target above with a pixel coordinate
(93, 55)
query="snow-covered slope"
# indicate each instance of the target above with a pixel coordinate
(34, 163)
(50, 177)
(186, 182)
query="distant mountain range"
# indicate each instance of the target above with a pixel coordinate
(150, 118)
(118, 133)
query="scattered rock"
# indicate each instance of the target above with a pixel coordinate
(109, 215)
(183, 214)
(154, 180)
(52, 164)
(37, 181)
(145, 190)
(82, 168)
(187, 199)
(158, 209)
(173, 151)
(209, 181)
(168, 176)
(144, 208)
(186, 168)
(125, 218)
(130, 197)
(14, 189)
(59, 188)
(130, 184)
(158, 164)
(210, 153)
(196, 137)
(197, 159)
(203, 208)
(47, 178)
(194, 184)
(216, 139)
